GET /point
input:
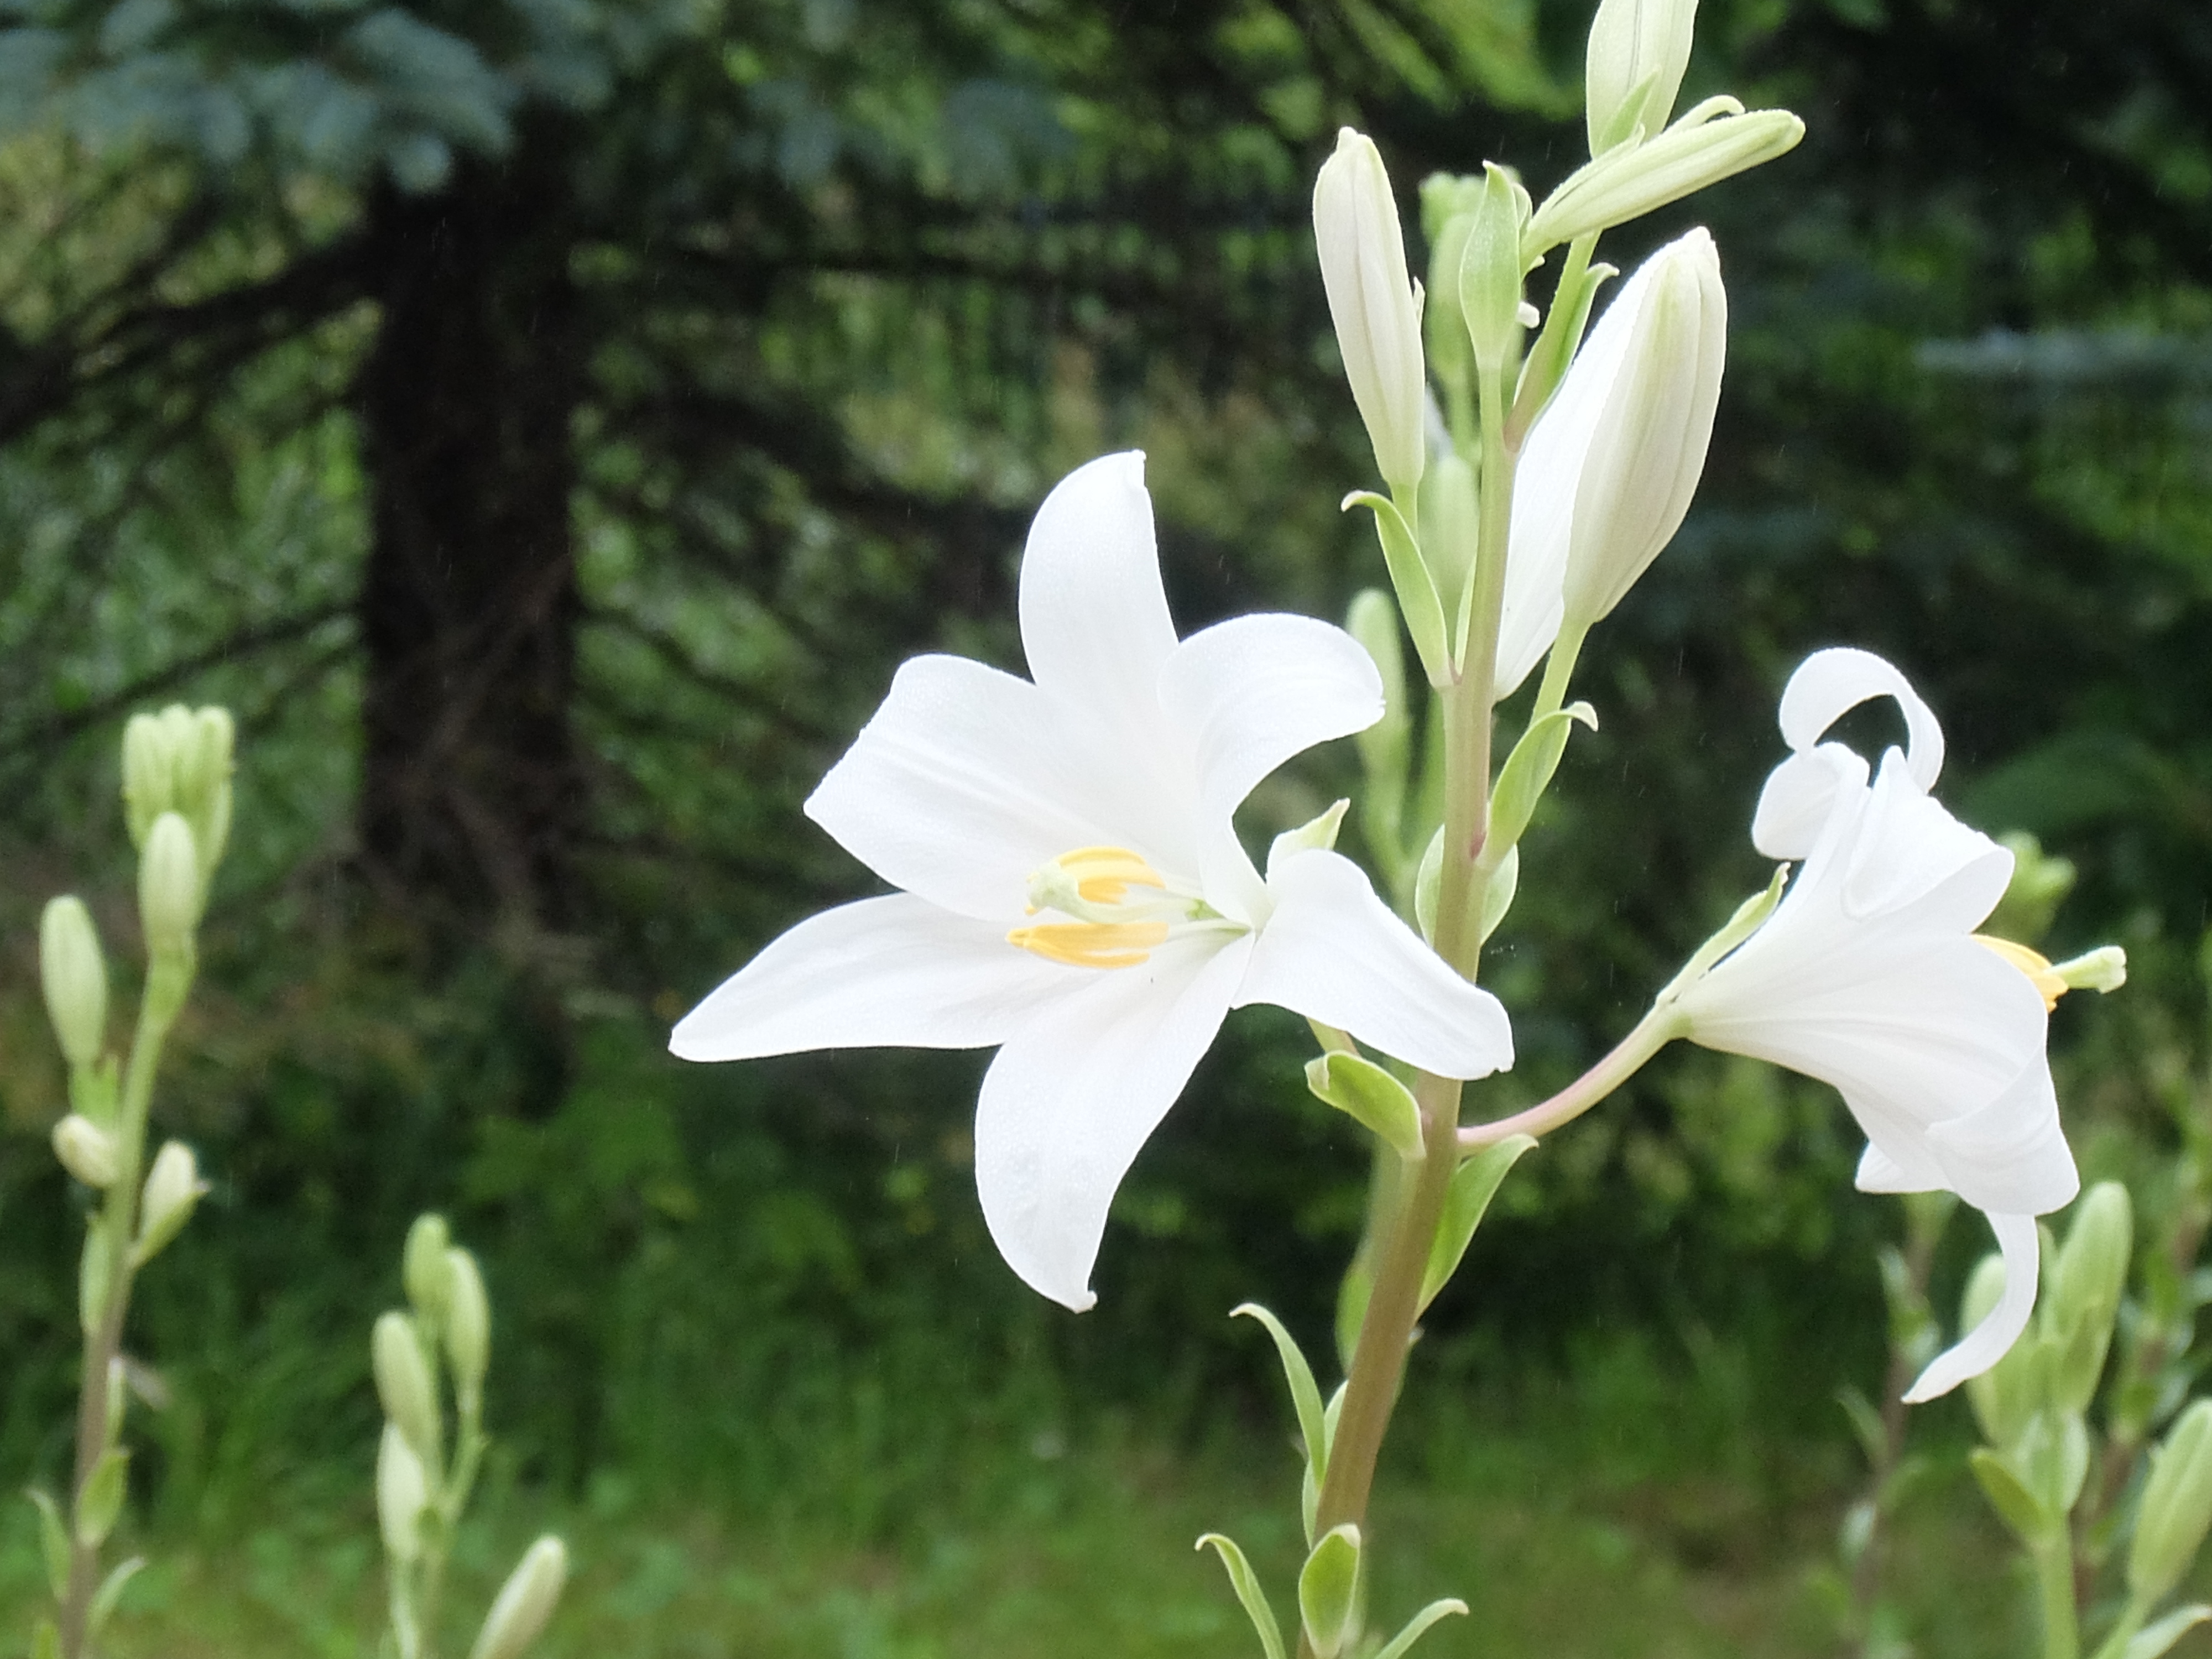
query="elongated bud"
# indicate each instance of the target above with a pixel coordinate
(150, 787)
(74, 975)
(1638, 49)
(1375, 305)
(1653, 366)
(2176, 1505)
(169, 886)
(173, 1191)
(1632, 181)
(1447, 205)
(468, 1324)
(525, 1602)
(402, 1492)
(87, 1152)
(1449, 529)
(425, 1269)
(2091, 1274)
(404, 1384)
(1490, 272)
(205, 763)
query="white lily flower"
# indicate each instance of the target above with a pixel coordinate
(1870, 976)
(1374, 304)
(1074, 889)
(1610, 467)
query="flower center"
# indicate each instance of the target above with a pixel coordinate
(1120, 909)
(2040, 974)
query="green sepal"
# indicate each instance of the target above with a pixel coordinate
(1363, 1090)
(1328, 1591)
(100, 1500)
(1305, 1395)
(1528, 773)
(1409, 574)
(2155, 1640)
(1246, 1583)
(105, 1599)
(45, 1641)
(53, 1540)
(1474, 1184)
(2018, 1507)
(1418, 1626)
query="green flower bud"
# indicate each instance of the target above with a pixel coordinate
(180, 761)
(1447, 205)
(1376, 305)
(525, 1602)
(2176, 1505)
(401, 1493)
(173, 1191)
(1386, 746)
(403, 1385)
(169, 887)
(1448, 532)
(2007, 1396)
(1490, 270)
(2085, 1291)
(150, 785)
(468, 1324)
(425, 1269)
(1638, 49)
(75, 977)
(1629, 182)
(87, 1151)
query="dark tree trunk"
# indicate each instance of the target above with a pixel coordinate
(471, 786)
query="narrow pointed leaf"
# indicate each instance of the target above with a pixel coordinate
(1428, 881)
(100, 1500)
(1418, 1626)
(1497, 896)
(104, 1599)
(1866, 1423)
(1305, 1395)
(2157, 1639)
(45, 1641)
(1363, 1090)
(1528, 773)
(1474, 1184)
(54, 1541)
(1246, 1583)
(1409, 574)
(1328, 1590)
(2018, 1507)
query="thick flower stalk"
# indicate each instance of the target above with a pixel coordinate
(1073, 888)
(1870, 976)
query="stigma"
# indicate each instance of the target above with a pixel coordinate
(1119, 909)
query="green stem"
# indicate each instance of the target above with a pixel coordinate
(1558, 669)
(2054, 1573)
(1652, 1033)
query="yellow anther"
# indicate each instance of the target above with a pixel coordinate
(2036, 966)
(1104, 875)
(1093, 943)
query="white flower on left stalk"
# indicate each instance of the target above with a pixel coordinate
(1610, 467)
(1870, 976)
(1374, 304)
(1074, 891)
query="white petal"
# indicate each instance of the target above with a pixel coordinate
(956, 789)
(1828, 684)
(1911, 852)
(2012, 1153)
(1799, 796)
(891, 972)
(1878, 1172)
(1334, 952)
(1991, 1340)
(1094, 623)
(1075, 1091)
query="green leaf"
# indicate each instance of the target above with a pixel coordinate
(1418, 1626)
(1363, 1090)
(45, 1641)
(2169, 1630)
(95, 1277)
(100, 1500)
(1409, 574)
(1328, 1590)
(2018, 1507)
(1866, 1423)
(1497, 896)
(1474, 1184)
(1305, 1395)
(54, 1539)
(1428, 881)
(1528, 773)
(1246, 1583)
(110, 1592)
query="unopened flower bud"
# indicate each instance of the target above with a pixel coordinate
(150, 785)
(2092, 1272)
(402, 1492)
(1490, 272)
(87, 1150)
(403, 1385)
(468, 1323)
(1642, 420)
(169, 886)
(1632, 181)
(1447, 205)
(525, 1602)
(173, 1191)
(2006, 1396)
(75, 977)
(1375, 305)
(1449, 529)
(2176, 1505)
(424, 1268)
(1638, 49)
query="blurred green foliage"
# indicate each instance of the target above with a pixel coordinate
(858, 279)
